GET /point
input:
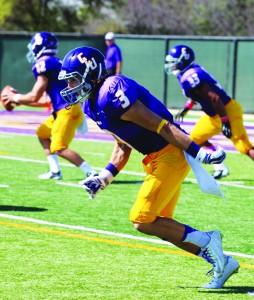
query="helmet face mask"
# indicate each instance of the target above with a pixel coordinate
(79, 93)
(179, 59)
(85, 66)
(42, 43)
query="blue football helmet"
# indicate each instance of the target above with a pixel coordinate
(42, 43)
(86, 66)
(179, 59)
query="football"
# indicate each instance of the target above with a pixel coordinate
(7, 90)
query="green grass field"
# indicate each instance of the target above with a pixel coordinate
(58, 244)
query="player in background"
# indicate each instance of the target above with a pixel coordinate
(222, 113)
(138, 120)
(58, 130)
(113, 54)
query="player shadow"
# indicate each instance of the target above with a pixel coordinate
(20, 208)
(230, 290)
(127, 182)
(224, 290)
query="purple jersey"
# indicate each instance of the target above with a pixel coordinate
(115, 97)
(50, 66)
(113, 55)
(194, 77)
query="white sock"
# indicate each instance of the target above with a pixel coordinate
(53, 163)
(199, 238)
(86, 168)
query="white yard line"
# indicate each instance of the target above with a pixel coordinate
(110, 233)
(4, 186)
(193, 180)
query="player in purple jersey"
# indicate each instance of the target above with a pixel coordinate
(138, 120)
(222, 113)
(113, 54)
(58, 130)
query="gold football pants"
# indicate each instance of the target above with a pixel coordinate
(158, 195)
(61, 130)
(207, 127)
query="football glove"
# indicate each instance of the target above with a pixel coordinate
(226, 128)
(94, 184)
(180, 115)
(208, 157)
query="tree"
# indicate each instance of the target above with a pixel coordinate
(51, 15)
(174, 17)
(226, 17)
(189, 17)
(34, 15)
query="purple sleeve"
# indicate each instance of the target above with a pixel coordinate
(120, 98)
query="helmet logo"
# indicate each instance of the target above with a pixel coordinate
(185, 55)
(38, 39)
(89, 63)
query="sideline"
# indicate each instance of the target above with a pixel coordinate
(110, 233)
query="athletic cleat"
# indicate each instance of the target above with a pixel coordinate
(231, 267)
(51, 175)
(214, 253)
(88, 174)
(220, 173)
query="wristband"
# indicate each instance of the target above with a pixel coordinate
(16, 98)
(189, 104)
(162, 123)
(193, 149)
(112, 169)
(224, 119)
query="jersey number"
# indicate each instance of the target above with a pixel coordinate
(194, 80)
(40, 67)
(123, 98)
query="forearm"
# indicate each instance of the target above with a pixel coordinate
(179, 139)
(28, 99)
(175, 136)
(120, 155)
(118, 67)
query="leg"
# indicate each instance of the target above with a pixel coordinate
(45, 145)
(70, 155)
(153, 210)
(63, 132)
(208, 243)
(240, 137)
(44, 135)
(168, 230)
(208, 127)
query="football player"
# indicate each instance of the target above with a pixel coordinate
(138, 120)
(58, 130)
(222, 112)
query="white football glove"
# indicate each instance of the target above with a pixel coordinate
(94, 184)
(208, 157)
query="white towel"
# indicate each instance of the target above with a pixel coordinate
(206, 182)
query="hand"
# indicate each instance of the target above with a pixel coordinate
(93, 185)
(208, 157)
(179, 116)
(226, 129)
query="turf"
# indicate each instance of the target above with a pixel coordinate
(46, 261)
